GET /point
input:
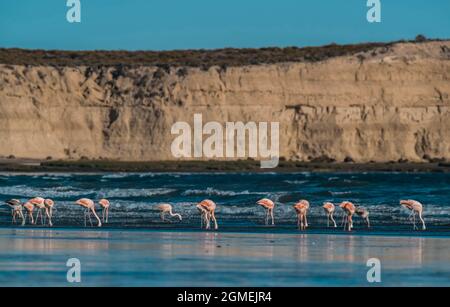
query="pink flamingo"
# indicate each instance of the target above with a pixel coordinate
(364, 213)
(104, 203)
(329, 209)
(415, 207)
(89, 205)
(29, 207)
(166, 208)
(302, 208)
(210, 208)
(268, 205)
(41, 206)
(16, 210)
(349, 210)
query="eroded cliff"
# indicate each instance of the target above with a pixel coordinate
(386, 104)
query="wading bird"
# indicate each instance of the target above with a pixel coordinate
(349, 210)
(89, 205)
(268, 205)
(166, 208)
(364, 213)
(415, 207)
(302, 208)
(29, 208)
(104, 203)
(16, 210)
(42, 208)
(210, 208)
(329, 209)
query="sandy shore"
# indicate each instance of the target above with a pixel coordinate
(35, 257)
(26, 165)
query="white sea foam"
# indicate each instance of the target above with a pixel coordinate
(210, 191)
(296, 181)
(124, 193)
(340, 192)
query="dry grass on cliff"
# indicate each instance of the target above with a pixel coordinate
(192, 58)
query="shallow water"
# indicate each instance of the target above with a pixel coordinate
(37, 257)
(133, 197)
(137, 249)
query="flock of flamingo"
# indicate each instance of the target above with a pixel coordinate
(206, 208)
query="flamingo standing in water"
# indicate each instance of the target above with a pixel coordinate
(16, 210)
(302, 208)
(89, 205)
(364, 213)
(415, 207)
(329, 209)
(210, 208)
(104, 203)
(268, 205)
(166, 208)
(29, 208)
(349, 210)
(42, 208)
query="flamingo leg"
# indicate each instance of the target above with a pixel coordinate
(267, 217)
(107, 214)
(215, 222)
(96, 217)
(23, 218)
(50, 223)
(271, 215)
(209, 219)
(85, 218)
(423, 222)
(343, 222)
(332, 219)
(207, 223)
(42, 217)
(90, 220)
(328, 220)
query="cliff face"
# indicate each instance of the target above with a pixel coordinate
(382, 105)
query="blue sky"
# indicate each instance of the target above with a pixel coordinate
(195, 24)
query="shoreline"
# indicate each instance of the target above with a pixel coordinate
(88, 166)
(437, 232)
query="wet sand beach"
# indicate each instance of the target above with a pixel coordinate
(37, 257)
